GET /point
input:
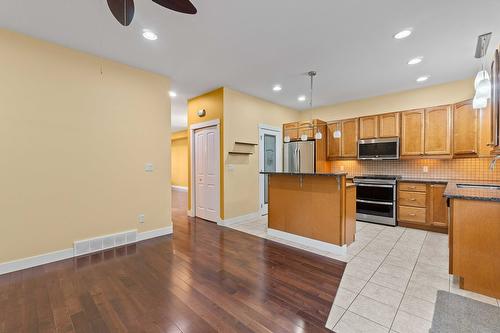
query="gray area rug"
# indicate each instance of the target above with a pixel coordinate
(457, 314)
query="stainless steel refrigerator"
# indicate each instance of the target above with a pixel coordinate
(299, 157)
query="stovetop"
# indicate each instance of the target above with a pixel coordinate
(390, 177)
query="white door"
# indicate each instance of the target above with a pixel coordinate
(270, 159)
(207, 173)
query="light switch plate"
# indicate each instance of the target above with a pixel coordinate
(149, 167)
(425, 169)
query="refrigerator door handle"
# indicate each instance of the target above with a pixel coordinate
(300, 163)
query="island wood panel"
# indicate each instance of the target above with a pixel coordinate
(311, 208)
(389, 124)
(350, 214)
(438, 130)
(475, 241)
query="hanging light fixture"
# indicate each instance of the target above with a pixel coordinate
(482, 82)
(318, 135)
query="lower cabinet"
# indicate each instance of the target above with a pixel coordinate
(422, 206)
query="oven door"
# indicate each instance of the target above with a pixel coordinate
(376, 203)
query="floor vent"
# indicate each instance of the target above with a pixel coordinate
(104, 242)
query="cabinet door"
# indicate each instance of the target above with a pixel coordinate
(368, 127)
(388, 125)
(306, 127)
(438, 130)
(333, 144)
(412, 133)
(349, 139)
(291, 130)
(438, 215)
(465, 129)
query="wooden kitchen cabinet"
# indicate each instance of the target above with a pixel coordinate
(422, 206)
(465, 129)
(388, 125)
(307, 128)
(412, 132)
(291, 130)
(333, 150)
(438, 130)
(349, 138)
(368, 127)
(438, 210)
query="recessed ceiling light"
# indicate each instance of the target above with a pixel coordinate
(301, 98)
(415, 61)
(403, 34)
(423, 78)
(149, 35)
(172, 93)
(277, 87)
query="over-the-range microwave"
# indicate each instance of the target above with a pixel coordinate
(378, 149)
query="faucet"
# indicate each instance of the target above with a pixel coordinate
(494, 162)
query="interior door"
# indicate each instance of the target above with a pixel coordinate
(270, 159)
(207, 173)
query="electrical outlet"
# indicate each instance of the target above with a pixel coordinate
(149, 167)
(141, 218)
(342, 168)
(425, 169)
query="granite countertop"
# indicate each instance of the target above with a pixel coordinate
(423, 180)
(331, 174)
(454, 192)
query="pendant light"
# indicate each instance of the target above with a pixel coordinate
(482, 82)
(318, 135)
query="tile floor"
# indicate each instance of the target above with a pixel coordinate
(391, 279)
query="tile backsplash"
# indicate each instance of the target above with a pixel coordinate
(466, 168)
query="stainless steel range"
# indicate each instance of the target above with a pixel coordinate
(376, 199)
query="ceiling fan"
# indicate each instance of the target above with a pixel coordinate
(123, 10)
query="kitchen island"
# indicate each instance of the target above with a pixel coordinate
(474, 236)
(314, 209)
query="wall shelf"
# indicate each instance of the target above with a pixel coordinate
(245, 143)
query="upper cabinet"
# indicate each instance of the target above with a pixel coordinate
(412, 132)
(465, 129)
(380, 126)
(291, 130)
(438, 130)
(333, 144)
(388, 125)
(368, 127)
(349, 138)
(426, 132)
(306, 128)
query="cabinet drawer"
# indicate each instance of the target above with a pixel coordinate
(412, 214)
(415, 187)
(414, 199)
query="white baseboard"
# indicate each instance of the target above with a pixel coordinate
(319, 245)
(47, 258)
(239, 219)
(155, 233)
(179, 188)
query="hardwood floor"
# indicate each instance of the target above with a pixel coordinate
(203, 278)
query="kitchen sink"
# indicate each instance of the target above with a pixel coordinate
(479, 186)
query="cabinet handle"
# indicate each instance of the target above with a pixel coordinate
(413, 199)
(412, 214)
(412, 187)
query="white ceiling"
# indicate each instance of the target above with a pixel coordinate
(251, 45)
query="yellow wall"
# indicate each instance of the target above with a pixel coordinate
(74, 143)
(242, 115)
(213, 103)
(180, 158)
(412, 99)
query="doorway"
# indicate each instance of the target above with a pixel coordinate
(270, 159)
(205, 171)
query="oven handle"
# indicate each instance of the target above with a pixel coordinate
(376, 202)
(375, 185)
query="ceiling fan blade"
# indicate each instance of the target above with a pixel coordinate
(182, 6)
(122, 10)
